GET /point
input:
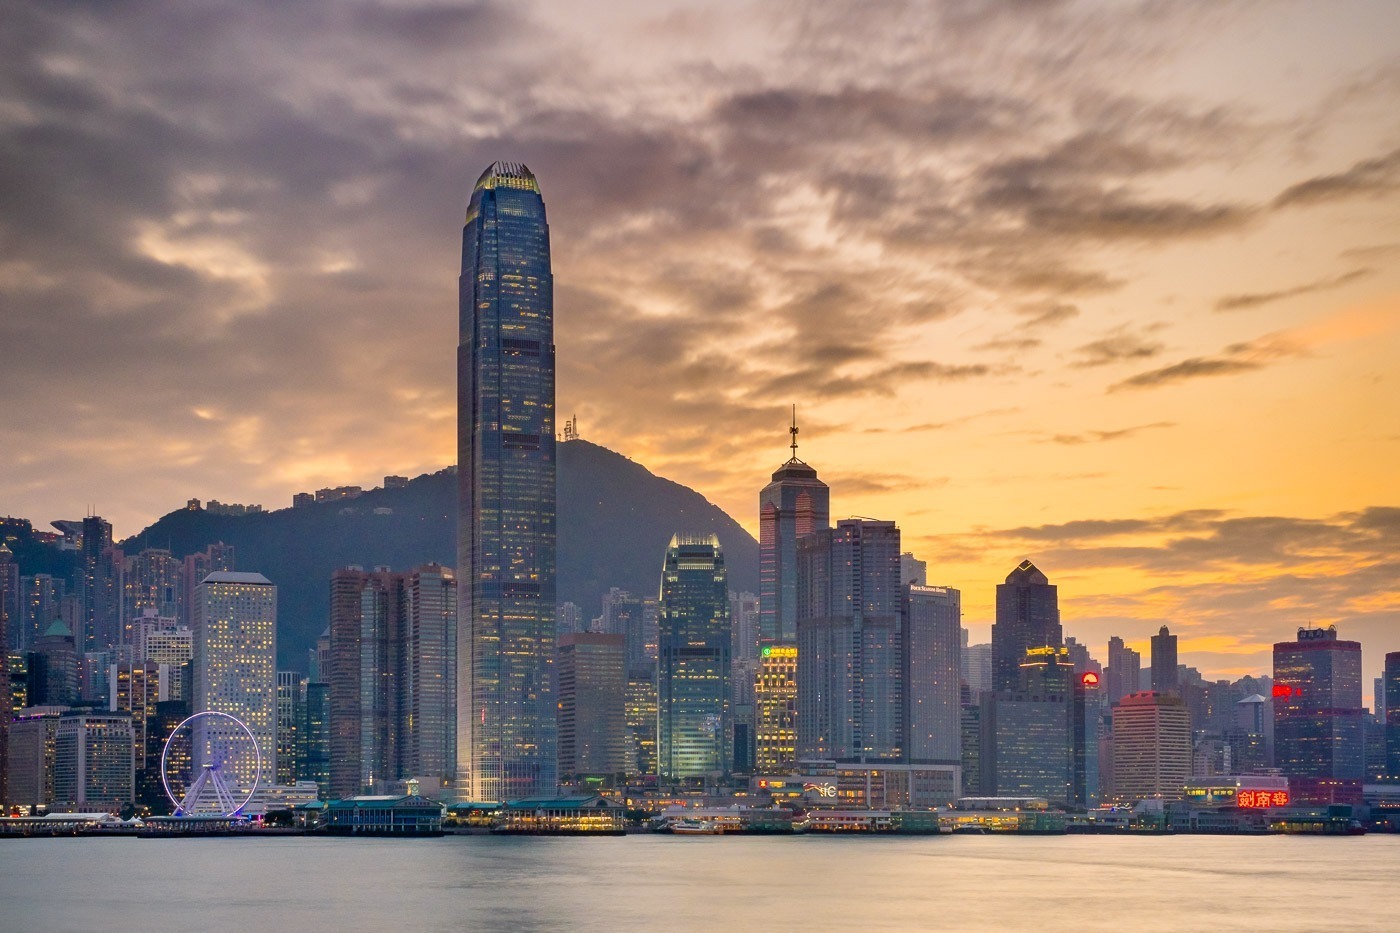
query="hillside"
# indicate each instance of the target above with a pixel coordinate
(615, 519)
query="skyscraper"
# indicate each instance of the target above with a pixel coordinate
(235, 651)
(775, 710)
(1318, 719)
(1392, 716)
(1151, 747)
(592, 693)
(505, 492)
(1028, 616)
(693, 729)
(932, 658)
(793, 505)
(365, 651)
(1124, 670)
(1164, 673)
(427, 742)
(850, 700)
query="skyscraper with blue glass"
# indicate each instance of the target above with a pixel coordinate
(793, 505)
(694, 727)
(506, 493)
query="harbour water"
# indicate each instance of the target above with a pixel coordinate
(660, 883)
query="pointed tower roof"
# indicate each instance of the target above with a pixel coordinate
(1027, 574)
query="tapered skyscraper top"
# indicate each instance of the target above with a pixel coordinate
(1028, 616)
(795, 504)
(506, 492)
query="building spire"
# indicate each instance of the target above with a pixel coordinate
(793, 431)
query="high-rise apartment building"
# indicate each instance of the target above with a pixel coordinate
(194, 568)
(592, 701)
(694, 733)
(235, 672)
(1151, 747)
(1028, 616)
(850, 699)
(152, 580)
(1318, 718)
(977, 668)
(775, 710)
(506, 493)
(931, 676)
(794, 504)
(1165, 678)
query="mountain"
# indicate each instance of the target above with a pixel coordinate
(615, 519)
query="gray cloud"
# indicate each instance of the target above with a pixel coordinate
(1367, 177)
(1255, 299)
(1093, 437)
(1236, 358)
(1116, 348)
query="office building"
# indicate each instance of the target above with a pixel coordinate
(850, 699)
(366, 639)
(215, 558)
(40, 605)
(932, 666)
(1151, 747)
(136, 688)
(640, 714)
(235, 651)
(592, 701)
(694, 729)
(152, 580)
(1028, 616)
(775, 710)
(291, 697)
(793, 505)
(1318, 717)
(33, 745)
(55, 673)
(1124, 674)
(94, 761)
(314, 736)
(97, 586)
(506, 493)
(977, 668)
(427, 715)
(1392, 716)
(1164, 672)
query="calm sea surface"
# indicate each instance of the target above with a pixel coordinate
(659, 883)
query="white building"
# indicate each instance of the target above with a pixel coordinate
(235, 672)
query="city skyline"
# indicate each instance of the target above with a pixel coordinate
(1124, 304)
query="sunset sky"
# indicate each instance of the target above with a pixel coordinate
(1114, 286)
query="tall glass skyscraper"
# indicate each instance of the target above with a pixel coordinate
(1318, 719)
(794, 504)
(693, 716)
(506, 493)
(1028, 616)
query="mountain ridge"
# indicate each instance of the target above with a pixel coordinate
(615, 518)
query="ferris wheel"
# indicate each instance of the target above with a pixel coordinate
(213, 760)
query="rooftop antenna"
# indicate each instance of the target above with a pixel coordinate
(793, 431)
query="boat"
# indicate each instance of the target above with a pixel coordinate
(696, 828)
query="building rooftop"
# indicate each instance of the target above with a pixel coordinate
(229, 576)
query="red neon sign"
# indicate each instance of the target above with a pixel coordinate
(1285, 691)
(1262, 798)
(1090, 679)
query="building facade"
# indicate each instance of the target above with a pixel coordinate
(1318, 717)
(1164, 673)
(1151, 747)
(506, 493)
(794, 504)
(932, 666)
(694, 731)
(775, 710)
(94, 761)
(1028, 616)
(850, 698)
(235, 672)
(592, 701)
